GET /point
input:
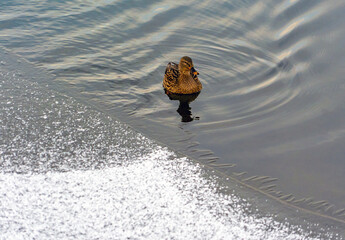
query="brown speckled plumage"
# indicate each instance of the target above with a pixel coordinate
(181, 78)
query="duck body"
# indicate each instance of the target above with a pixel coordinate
(181, 78)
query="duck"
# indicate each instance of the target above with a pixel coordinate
(181, 78)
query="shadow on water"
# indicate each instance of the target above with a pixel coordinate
(184, 109)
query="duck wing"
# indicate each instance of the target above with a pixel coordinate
(171, 75)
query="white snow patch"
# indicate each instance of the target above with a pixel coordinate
(155, 197)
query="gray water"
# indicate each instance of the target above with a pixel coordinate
(69, 171)
(272, 105)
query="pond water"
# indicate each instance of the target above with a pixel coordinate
(68, 171)
(271, 112)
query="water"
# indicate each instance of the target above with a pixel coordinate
(272, 71)
(69, 171)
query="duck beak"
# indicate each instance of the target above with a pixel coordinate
(193, 71)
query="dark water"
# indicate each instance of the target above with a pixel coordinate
(272, 107)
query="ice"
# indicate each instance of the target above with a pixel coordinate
(159, 196)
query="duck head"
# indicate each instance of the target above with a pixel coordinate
(186, 66)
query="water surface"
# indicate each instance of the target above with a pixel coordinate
(69, 171)
(272, 104)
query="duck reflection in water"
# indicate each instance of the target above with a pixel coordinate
(184, 109)
(181, 83)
